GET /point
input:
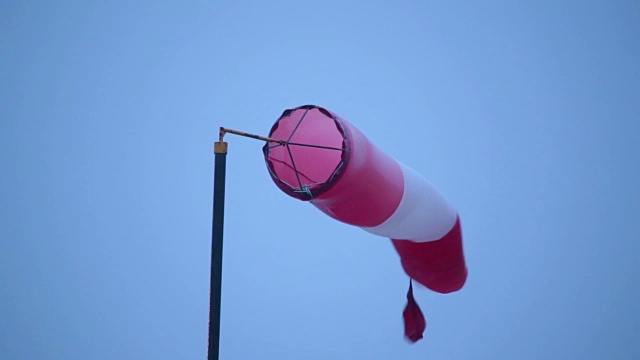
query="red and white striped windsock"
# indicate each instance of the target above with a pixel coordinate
(323, 159)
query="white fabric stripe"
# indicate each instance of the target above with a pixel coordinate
(422, 215)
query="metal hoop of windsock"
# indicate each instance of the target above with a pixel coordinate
(314, 155)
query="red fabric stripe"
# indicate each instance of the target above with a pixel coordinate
(438, 265)
(370, 188)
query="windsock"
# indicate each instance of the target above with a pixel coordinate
(319, 157)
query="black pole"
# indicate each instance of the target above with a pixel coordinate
(216, 249)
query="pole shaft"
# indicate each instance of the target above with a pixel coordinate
(216, 250)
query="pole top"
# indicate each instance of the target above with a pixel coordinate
(220, 147)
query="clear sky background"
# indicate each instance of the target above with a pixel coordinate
(525, 115)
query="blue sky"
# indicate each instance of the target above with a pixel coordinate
(525, 115)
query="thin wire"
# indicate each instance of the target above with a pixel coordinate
(295, 169)
(315, 146)
(307, 145)
(274, 146)
(298, 124)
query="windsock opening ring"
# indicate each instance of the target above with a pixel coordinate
(288, 161)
